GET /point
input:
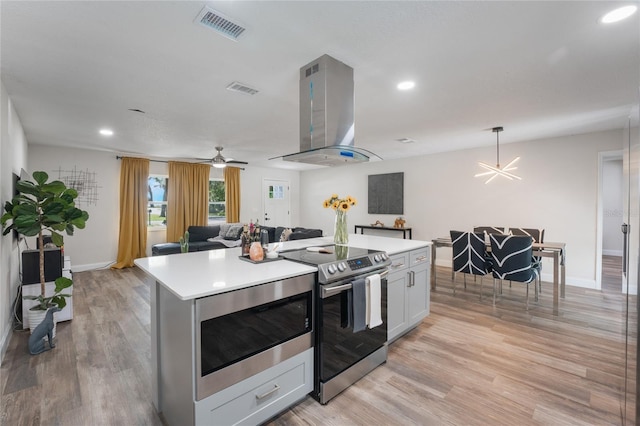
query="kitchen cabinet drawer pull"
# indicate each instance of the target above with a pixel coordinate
(269, 392)
(397, 265)
(421, 258)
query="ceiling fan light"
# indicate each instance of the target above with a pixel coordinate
(218, 161)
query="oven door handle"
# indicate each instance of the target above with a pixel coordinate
(326, 292)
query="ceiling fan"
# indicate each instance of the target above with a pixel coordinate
(220, 162)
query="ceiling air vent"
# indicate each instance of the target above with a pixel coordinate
(405, 140)
(242, 88)
(221, 24)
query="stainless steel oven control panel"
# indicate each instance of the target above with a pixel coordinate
(341, 269)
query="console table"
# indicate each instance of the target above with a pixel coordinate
(384, 228)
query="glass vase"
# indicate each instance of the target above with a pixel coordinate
(340, 233)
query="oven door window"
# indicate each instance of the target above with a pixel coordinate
(339, 346)
(239, 335)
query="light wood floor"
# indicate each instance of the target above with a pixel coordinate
(468, 363)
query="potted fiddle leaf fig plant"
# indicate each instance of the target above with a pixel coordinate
(40, 207)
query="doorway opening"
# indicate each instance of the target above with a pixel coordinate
(610, 211)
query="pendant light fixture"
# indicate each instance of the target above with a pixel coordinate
(493, 172)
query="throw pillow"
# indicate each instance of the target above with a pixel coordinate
(224, 228)
(234, 232)
(285, 234)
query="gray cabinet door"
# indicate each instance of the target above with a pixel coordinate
(397, 318)
(418, 296)
(418, 291)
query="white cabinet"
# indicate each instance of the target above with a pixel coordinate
(408, 291)
(397, 319)
(261, 396)
(419, 289)
(34, 290)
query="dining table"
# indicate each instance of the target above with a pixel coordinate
(553, 250)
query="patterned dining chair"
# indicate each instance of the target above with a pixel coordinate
(536, 234)
(488, 230)
(538, 237)
(469, 256)
(512, 260)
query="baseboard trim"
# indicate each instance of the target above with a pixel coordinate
(91, 266)
(612, 253)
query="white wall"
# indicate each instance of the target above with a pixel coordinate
(96, 246)
(13, 157)
(612, 207)
(558, 192)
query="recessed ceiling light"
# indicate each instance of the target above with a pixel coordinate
(406, 85)
(619, 14)
(106, 132)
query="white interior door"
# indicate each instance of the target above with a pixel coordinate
(275, 196)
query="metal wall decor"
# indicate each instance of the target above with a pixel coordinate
(84, 182)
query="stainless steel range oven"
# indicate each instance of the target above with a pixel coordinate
(343, 356)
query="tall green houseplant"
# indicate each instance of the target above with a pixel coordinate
(39, 207)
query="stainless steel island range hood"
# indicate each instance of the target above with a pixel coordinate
(326, 115)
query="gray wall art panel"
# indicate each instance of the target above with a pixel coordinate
(386, 193)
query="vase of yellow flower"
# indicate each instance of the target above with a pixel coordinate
(341, 206)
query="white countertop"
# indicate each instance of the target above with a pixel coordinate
(390, 245)
(372, 242)
(206, 273)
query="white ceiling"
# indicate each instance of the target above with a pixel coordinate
(539, 69)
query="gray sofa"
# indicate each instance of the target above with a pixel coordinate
(228, 235)
(204, 238)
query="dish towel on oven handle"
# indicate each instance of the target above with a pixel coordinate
(374, 301)
(359, 299)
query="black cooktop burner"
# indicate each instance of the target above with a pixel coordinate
(321, 258)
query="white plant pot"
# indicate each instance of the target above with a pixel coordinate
(37, 316)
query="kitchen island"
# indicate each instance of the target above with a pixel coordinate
(182, 281)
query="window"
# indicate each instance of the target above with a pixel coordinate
(157, 201)
(217, 212)
(276, 192)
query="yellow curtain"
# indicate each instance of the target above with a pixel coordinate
(232, 194)
(187, 197)
(132, 239)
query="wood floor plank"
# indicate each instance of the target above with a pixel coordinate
(22, 407)
(469, 363)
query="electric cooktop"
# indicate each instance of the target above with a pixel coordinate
(339, 262)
